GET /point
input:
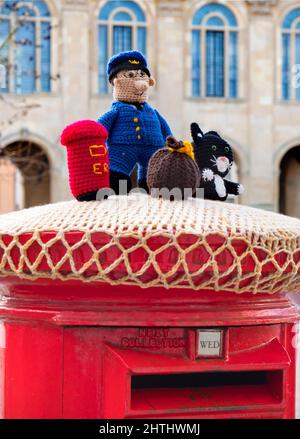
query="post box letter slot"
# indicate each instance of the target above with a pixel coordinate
(204, 390)
(140, 383)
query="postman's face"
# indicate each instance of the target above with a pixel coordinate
(132, 86)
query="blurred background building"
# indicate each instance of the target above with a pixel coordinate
(229, 65)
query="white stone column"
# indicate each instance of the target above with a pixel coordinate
(261, 92)
(170, 63)
(75, 60)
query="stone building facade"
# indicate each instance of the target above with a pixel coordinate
(259, 119)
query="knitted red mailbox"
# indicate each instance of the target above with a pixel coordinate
(87, 156)
(136, 307)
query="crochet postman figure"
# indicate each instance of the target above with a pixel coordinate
(135, 129)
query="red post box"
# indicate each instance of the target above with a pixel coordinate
(81, 338)
(87, 156)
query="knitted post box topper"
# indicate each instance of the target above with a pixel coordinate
(173, 168)
(87, 158)
(135, 129)
(215, 159)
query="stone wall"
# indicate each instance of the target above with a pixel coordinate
(259, 125)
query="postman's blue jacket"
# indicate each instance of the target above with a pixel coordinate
(134, 136)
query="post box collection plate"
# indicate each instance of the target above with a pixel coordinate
(210, 343)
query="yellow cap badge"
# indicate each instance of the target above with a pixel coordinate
(133, 61)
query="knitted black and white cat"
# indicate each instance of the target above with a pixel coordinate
(214, 157)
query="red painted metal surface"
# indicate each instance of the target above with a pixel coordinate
(74, 350)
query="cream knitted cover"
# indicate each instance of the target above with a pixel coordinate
(139, 240)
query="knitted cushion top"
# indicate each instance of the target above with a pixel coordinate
(82, 129)
(144, 241)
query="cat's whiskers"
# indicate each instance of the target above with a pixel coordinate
(214, 160)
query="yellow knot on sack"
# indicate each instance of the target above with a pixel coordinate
(187, 149)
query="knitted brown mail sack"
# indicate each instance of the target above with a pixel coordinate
(173, 168)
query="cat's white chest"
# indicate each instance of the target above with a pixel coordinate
(220, 186)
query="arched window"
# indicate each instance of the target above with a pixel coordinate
(121, 26)
(25, 45)
(289, 196)
(290, 53)
(214, 52)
